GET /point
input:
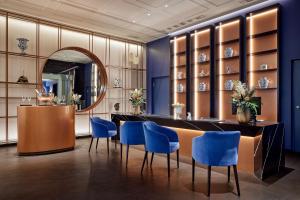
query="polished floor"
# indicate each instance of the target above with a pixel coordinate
(80, 175)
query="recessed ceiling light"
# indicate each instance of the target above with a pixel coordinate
(148, 14)
(133, 21)
(166, 5)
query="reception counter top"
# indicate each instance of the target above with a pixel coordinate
(45, 129)
(261, 145)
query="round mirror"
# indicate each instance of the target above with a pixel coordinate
(75, 76)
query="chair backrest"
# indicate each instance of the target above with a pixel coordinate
(217, 148)
(99, 128)
(132, 132)
(154, 140)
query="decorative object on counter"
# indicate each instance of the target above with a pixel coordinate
(189, 116)
(229, 85)
(117, 107)
(202, 57)
(263, 67)
(76, 101)
(202, 73)
(180, 88)
(179, 75)
(263, 82)
(136, 99)
(228, 52)
(241, 98)
(44, 98)
(177, 110)
(56, 100)
(22, 44)
(117, 83)
(228, 69)
(24, 99)
(202, 87)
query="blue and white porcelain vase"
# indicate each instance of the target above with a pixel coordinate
(23, 44)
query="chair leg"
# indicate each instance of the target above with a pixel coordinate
(168, 155)
(151, 159)
(193, 170)
(208, 184)
(97, 143)
(115, 142)
(91, 143)
(177, 152)
(121, 150)
(236, 180)
(145, 158)
(228, 173)
(127, 155)
(107, 146)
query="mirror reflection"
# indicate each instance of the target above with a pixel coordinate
(73, 78)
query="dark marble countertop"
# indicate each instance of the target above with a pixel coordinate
(205, 124)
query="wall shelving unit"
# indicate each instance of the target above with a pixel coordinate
(263, 49)
(45, 37)
(202, 62)
(179, 72)
(229, 67)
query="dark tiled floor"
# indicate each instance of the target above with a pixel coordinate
(80, 175)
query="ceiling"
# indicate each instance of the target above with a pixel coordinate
(140, 20)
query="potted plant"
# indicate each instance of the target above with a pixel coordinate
(136, 99)
(241, 98)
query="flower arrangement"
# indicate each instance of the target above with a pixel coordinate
(136, 97)
(76, 98)
(242, 98)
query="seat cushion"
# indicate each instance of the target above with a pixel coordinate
(112, 133)
(174, 146)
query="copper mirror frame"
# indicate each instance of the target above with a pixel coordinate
(101, 73)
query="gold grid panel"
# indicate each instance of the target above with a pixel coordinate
(45, 38)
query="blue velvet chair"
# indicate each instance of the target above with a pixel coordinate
(159, 139)
(131, 133)
(102, 129)
(216, 148)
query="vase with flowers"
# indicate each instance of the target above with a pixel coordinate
(136, 99)
(242, 99)
(76, 101)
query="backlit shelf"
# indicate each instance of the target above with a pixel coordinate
(229, 74)
(205, 76)
(270, 51)
(263, 34)
(263, 70)
(202, 63)
(269, 88)
(201, 48)
(229, 58)
(228, 41)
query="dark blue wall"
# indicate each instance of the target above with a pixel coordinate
(158, 65)
(158, 60)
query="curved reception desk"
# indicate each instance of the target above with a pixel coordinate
(45, 129)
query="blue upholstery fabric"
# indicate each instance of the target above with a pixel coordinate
(102, 128)
(132, 133)
(110, 125)
(160, 139)
(216, 148)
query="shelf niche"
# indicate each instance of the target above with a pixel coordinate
(201, 72)
(228, 67)
(262, 49)
(178, 71)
